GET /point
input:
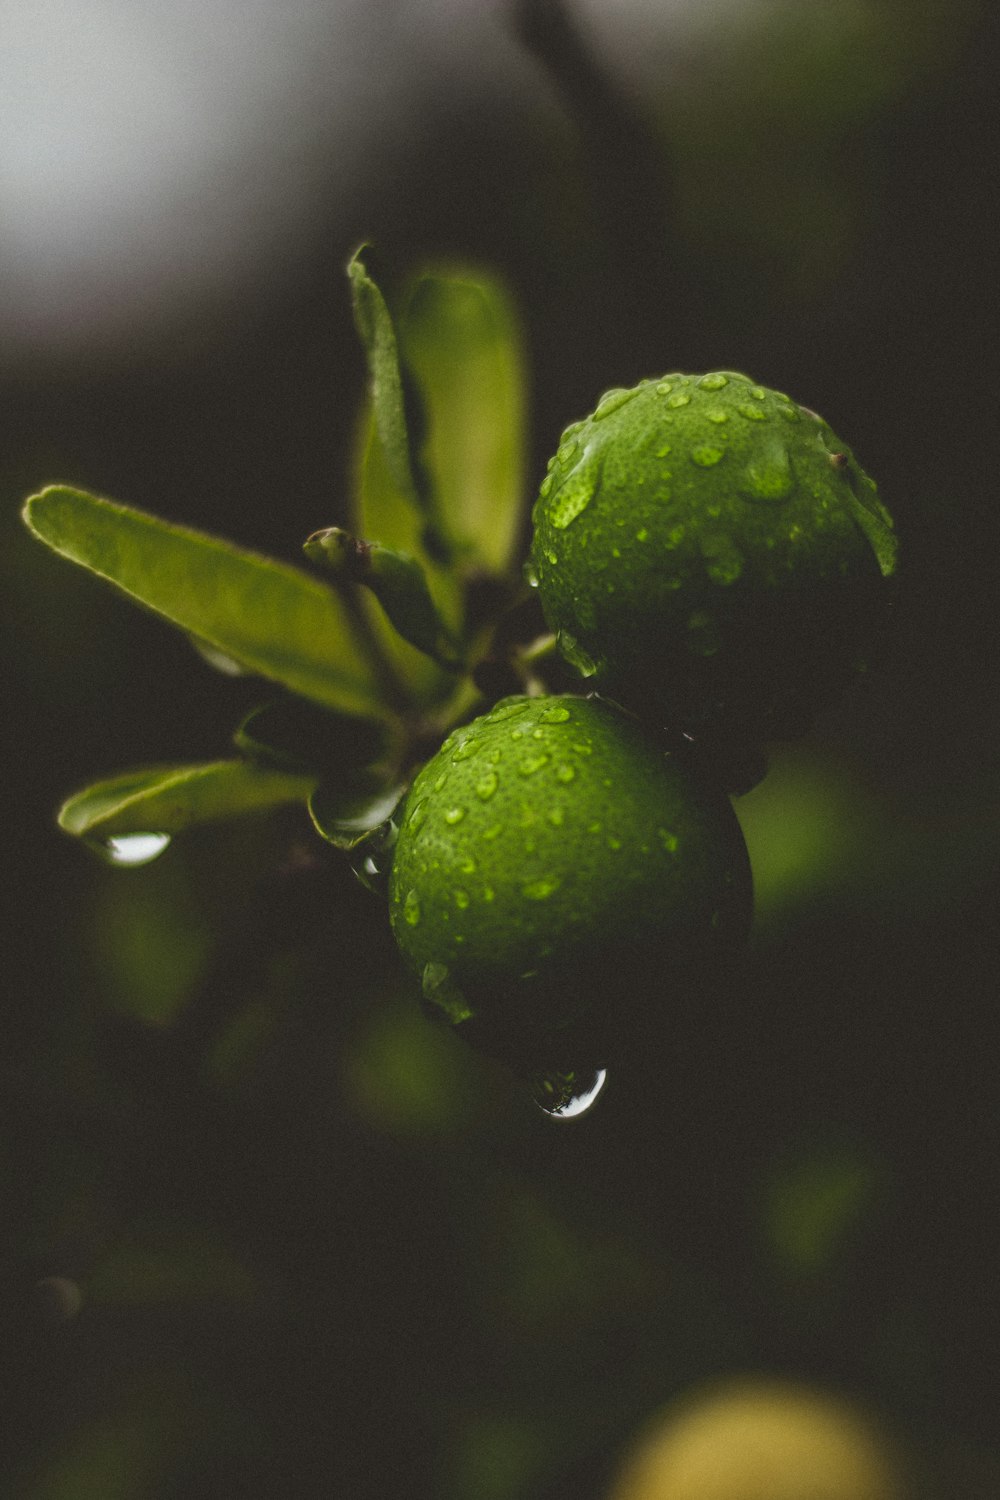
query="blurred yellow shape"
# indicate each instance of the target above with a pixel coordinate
(761, 1440)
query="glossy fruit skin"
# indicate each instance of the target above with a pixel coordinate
(554, 859)
(712, 556)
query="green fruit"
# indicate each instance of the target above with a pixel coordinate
(712, 555)
(552, 860)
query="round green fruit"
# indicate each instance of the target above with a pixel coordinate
(553, 860)
(712, 555)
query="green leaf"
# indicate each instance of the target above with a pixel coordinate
(274, 619)
(460, 336)
(161, 800)
(375, 327)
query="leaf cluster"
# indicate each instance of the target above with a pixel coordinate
(377, 654)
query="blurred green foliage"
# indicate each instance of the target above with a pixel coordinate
(320, 1248)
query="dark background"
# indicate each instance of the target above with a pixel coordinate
(304, 1243)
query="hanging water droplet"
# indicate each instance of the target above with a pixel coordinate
(569, 1095)
(575, 654)
(134, 849)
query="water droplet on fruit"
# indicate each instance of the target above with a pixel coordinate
(642, 535)
(556, 816)
(706, 456)
(465, 749)
(752, 413)
(530, 574)
(662, 451)
(569, 1095)
(440, 781)
(508, 708)
(454, 815)
(557, 714)
(462, 899)
(789, 413)
(565, 773)
(531, 764)
(667, 839)
(713, 382)
(664, 388)
(758, 392)
(575, 654)
(568, 452)
(678, 399)
(411, 909)
(717, 415)
(611, 401)
(540, 890)
(723, 563)
(133, 849)
(417, 815)
(770, 477)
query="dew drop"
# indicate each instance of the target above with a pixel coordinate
(418, 815)
(611, 401)
(557, 714)
(662, 451)
(717, 415)
(454, 815)
(551, 557)
(411, 909)
(664, 388)
(487, 785)
(462, 899)
(540, 890)
(706, 456)
(439, 783)
(466, 749)
(713, 382)
(568, 452)
(532, 763)
(723, 563)
(488, 893)
(565, 773)
(678, 399)
(758, 392)
(752, 413)
(569, 1095)
(789, 413)
(494, 831)
(770, 477)
(546, 486)
(642, 535)
(134, 849)
(575, 654)
(467, 865)
(508, 708)
(556, 816)
(573, 496)
(667, 839)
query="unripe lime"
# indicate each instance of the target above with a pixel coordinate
(712, 555)
(756, 1441)
(552, 855)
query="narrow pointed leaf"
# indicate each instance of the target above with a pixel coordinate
(460, 337)
(375, 327)
(274, 619)
(167, 799)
